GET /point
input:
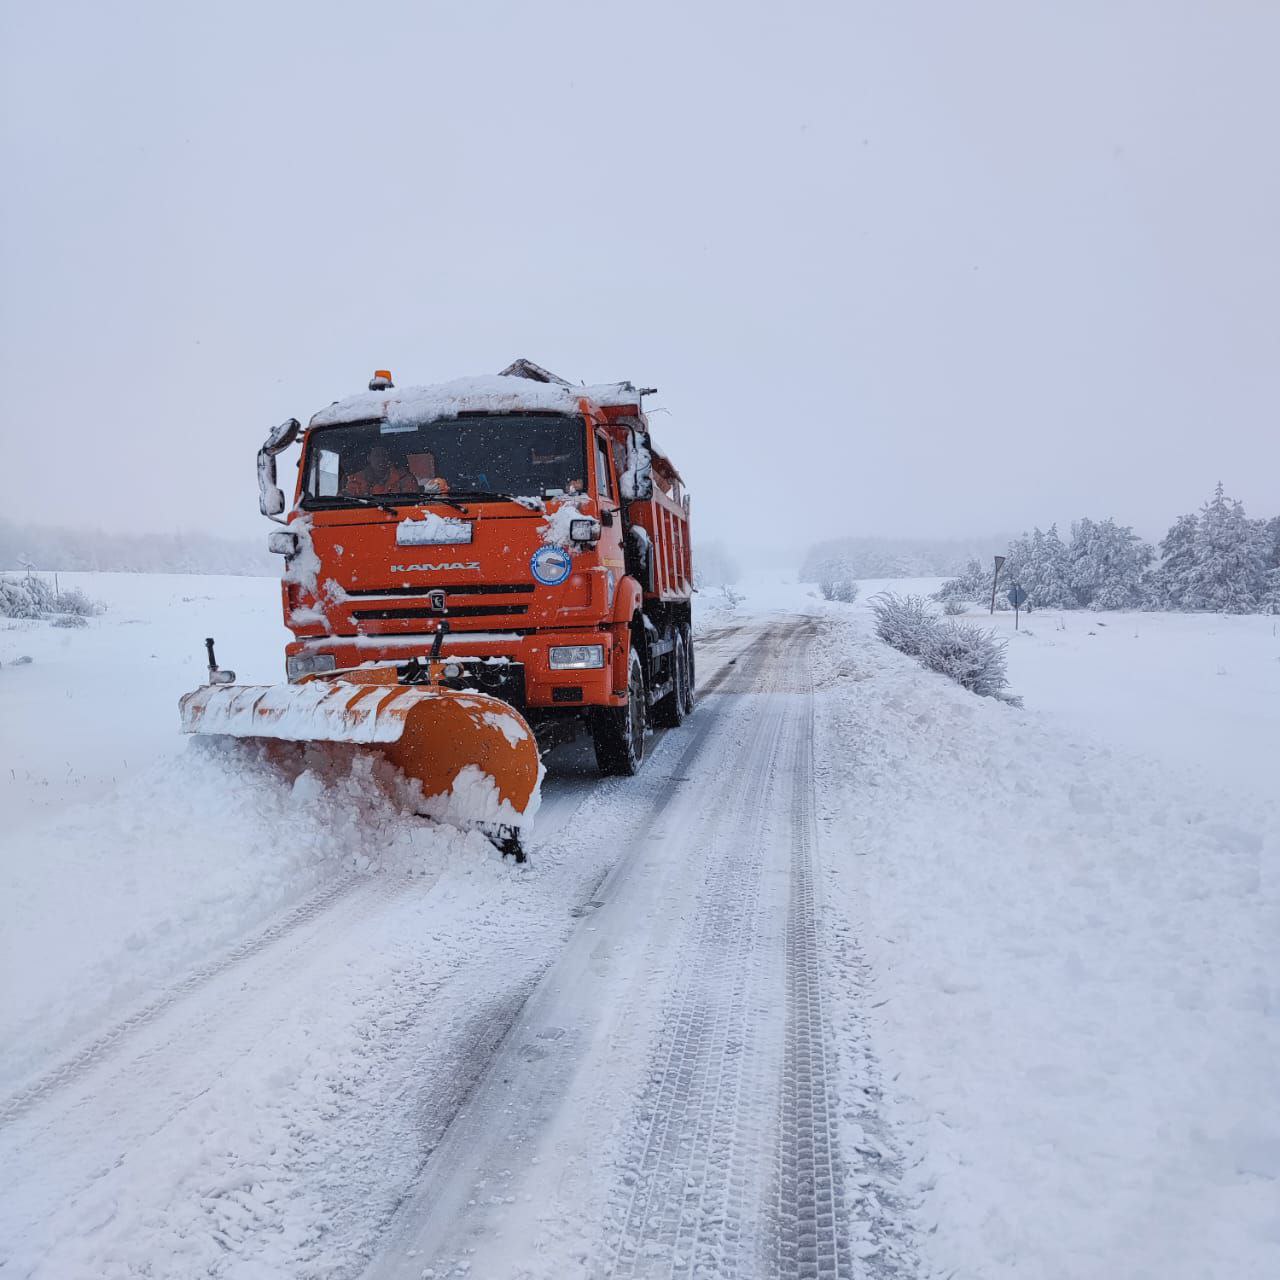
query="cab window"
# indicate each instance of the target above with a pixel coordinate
(604, 479)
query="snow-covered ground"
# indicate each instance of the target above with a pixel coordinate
(1049, 938)
(1198, 691)
(1073, 947)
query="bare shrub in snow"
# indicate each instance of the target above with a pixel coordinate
(952, 607)
(74, 601)
(844, 590)
(971, 656)
(903, 621)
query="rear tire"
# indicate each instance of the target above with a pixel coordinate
(618, 732)
(691, 679)
(671, 710)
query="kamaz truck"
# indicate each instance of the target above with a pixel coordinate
(473, 572)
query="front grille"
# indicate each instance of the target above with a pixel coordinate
(467, 611)
(463, 589)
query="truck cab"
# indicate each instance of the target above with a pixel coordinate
(525, 530)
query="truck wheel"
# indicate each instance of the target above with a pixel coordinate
(671, 710)
(618, 732)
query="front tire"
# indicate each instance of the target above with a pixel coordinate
(618, 732)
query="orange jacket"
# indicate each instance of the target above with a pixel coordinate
(397, 480)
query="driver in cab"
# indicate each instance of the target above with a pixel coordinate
(381, 475)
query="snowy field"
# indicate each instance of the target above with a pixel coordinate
(1050, 938)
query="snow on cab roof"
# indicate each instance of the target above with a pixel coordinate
(492, 393)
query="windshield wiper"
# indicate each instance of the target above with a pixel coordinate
(385, 503)
(339, 499)
(426, 499)
(480, 494)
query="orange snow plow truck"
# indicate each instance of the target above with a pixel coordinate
(474, 572)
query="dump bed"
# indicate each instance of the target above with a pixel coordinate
(665, 520)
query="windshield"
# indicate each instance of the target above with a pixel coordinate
(521, 455)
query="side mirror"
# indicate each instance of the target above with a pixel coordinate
(270, 498)
(637, 479)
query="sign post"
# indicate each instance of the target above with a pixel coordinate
(1017, 597)
(995, 581)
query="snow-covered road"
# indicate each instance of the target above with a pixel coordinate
(613, 1059)
(860, 976)
(662, 1104)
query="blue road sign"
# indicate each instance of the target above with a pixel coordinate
(1017, 597)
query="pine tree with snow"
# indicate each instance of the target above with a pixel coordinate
(1107, 562)
(1040, 567)
(971, 587)
(1054, 573)
(1175, 575)
(1270, 602)
(1271, 540)
(1230, 570)
(1019, 568)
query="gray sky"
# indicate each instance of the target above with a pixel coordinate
(896, 267)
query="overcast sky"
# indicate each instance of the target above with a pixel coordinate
(895, 267)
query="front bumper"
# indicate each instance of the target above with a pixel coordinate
(481, 653)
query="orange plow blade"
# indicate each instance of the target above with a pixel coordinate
(474, 755)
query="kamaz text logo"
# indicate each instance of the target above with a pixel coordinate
(436, 568)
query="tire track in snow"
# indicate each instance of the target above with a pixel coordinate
(812, 1239)
(735, 1167)
(697, 1167)
(524, 1084)
(102, 1046)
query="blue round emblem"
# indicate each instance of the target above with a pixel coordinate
(550, 565)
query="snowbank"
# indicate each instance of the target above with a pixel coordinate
(106, 902)
(1071, 972)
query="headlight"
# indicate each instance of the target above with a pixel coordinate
(283, 543)
(576, 657)
(309, 664)
(584, 529)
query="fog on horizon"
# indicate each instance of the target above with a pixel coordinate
(916, 269)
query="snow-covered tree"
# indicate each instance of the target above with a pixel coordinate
(1271, 542)
(1271, 597)
(1106, 565)
(1053, 573)
(1174, 577)
(972, 586)
(1039, 564)
(1229, 573)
